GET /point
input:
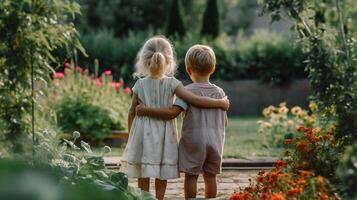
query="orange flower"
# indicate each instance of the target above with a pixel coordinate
(301, 129)
(273, 176)
(303, 147)
(320, 181)
(287, 141)
(236, 196)
(294, 192)
(277, 196)
(280, 163)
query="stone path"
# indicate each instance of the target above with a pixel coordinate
(228, 182)
(236, 174)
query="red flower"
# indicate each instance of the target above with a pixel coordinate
(301, 129)
(66, 64)
(116, 85)
(58, 75)
(303, 147)
(287, 141)
(264, 196)
(127, 90)
(280, 163)
(98, 82)
(107, 72)
(236, 196)
(79, 69)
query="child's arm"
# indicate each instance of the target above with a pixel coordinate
(167, 113)
(131, 113)
(199, 101)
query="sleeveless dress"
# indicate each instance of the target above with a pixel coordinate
(152, 148)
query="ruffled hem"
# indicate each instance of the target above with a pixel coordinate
(148, 170)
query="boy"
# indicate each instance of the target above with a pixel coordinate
(203, 130)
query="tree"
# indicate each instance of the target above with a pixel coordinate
(211, 19)
(331, 54)
(176, 22)
(29, 33)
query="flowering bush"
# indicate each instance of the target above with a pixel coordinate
(94, 106)
(315, 150)
(280, 124)
(282, 183)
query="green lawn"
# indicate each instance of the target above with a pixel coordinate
(242, 140)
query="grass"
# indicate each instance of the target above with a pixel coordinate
(242, 140)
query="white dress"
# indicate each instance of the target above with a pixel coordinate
(152, 148)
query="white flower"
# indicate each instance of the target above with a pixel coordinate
(76, 134)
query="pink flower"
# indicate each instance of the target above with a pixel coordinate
(98, 82)
(79, 69)
(116, 84)
(127, 90)
(107, 72)
(66, 64)
(58, 75)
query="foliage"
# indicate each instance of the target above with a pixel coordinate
(332, 55)
(176, 22)
(315, 150)
(80, 114)
(211, 19)
(270, 57)
(281, 183)
(94, 106)
(279, 124)
(267, 56)
(29, 32)
(69, 171)
(121, 16)
(115, 54)
(347, 171)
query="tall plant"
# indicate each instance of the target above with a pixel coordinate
(331, 53)
(176, 23)
(29, 32)
(211, 19)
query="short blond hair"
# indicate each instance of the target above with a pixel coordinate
(201, 59)
(157, 54)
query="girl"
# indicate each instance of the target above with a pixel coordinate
(152, 148)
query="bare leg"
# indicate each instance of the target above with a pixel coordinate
(210, 185)
(144, 184)
(160, 188)
(190, 186)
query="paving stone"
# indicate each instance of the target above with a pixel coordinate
(228, 182)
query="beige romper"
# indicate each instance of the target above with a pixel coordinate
(203, 130)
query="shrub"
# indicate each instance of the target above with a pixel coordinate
(94, 106)
(315, 150)
(269, 57)
(79, 114)
(115, 54)
(280, 183)
(280, 124)
(64, 171)
(347, 171)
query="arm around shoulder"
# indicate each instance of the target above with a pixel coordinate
(199, 101)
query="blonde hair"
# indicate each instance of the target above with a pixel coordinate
(156, 56)
(201, 59)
